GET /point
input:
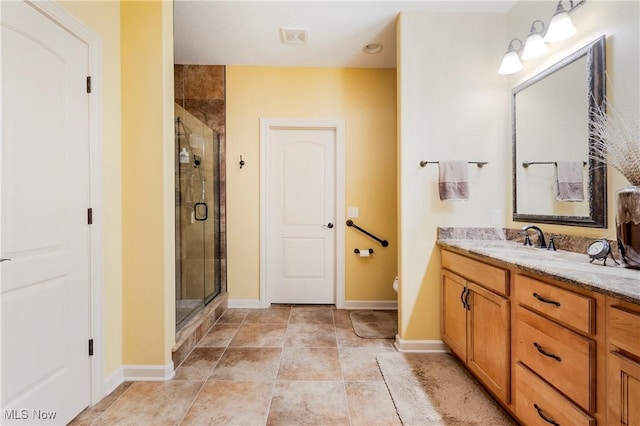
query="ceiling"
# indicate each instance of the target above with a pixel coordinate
(241, 32)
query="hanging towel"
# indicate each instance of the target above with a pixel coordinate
(453, 180)
(569, 181)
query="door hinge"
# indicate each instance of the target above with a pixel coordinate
(88, 84)
(90, 347)
(90, 216)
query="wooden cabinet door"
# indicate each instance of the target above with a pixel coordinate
(623, 390)
(488, 340)
(454, 314)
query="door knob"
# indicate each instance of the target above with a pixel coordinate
(329, 225)
(4, 260)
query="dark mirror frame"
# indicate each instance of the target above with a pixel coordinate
(597, 187)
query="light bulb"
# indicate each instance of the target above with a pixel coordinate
(510, 63)
(560, 27)
(534, 46)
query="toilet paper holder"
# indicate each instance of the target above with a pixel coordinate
(357, 251)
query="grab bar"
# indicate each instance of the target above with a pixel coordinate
(384, 243)
(479, 163)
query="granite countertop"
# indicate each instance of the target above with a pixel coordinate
(565, 266)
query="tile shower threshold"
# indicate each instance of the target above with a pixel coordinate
(188, 337)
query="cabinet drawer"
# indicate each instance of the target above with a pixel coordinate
(537, 403)
(624, 328)
(573, 309)
(489, 276)
(563, 358)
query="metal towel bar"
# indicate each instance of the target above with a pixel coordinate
(478, 163)
(526, 164)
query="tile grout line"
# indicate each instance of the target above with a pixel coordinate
(191, 405)
(344, 384)
(275, 380)
(175, 368)
(208, 375)
(109, 406)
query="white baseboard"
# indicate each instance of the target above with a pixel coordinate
(148, 373)
(244, 303)
(420, 345)
(348, 304)
(114, 380)
(371, 304)
(141, 373)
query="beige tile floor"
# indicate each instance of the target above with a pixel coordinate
(285, 365)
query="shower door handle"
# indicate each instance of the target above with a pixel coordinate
(201, 211)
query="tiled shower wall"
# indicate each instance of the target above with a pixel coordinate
(200, 90)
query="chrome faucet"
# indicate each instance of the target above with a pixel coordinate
(541, 242)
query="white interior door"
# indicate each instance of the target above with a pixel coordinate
(301, 215)
(44, 197)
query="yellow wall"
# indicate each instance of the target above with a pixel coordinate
(366, 99)
(103, 18)
(137, 138)
(168, 182)
(619, 22)
(147, 176)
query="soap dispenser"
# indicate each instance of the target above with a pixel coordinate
(184, 156)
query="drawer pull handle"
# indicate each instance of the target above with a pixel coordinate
(544, 300)
(545, 353)
(545, 418)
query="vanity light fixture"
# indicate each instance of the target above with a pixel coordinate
(561, 27)
(511, 62)
(534, 46)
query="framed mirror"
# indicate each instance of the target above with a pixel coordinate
(551, 113)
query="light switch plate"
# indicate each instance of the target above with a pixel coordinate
(353, 212)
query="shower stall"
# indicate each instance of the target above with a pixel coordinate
(199, 255)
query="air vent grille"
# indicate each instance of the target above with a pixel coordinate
(294, 35)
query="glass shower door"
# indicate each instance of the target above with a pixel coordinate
(195, 169)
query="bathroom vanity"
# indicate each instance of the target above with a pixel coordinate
(554, 338)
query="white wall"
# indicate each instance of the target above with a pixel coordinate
(452, 106)
(619, 21)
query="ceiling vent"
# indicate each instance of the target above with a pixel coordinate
(294, 35)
